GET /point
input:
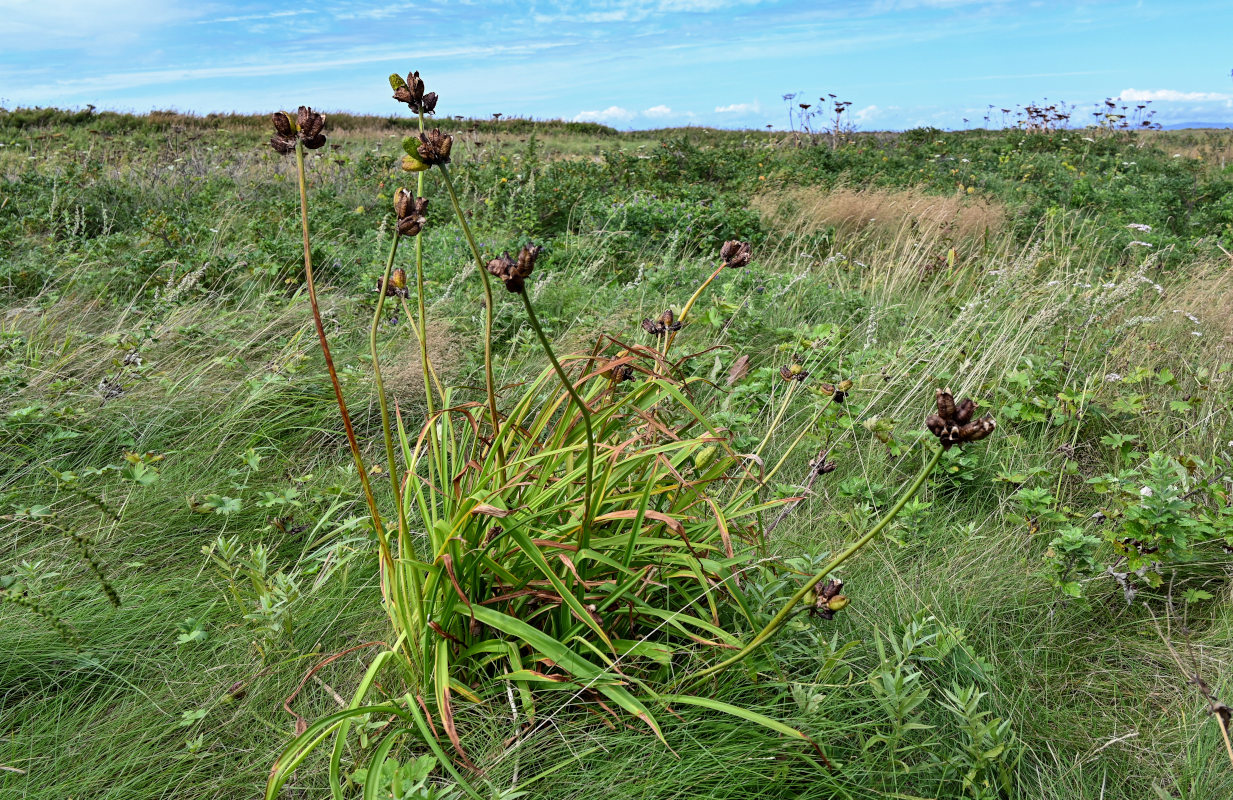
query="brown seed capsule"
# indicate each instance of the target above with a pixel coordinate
(410, 91)
(953, 423)
(411, 212)
(435, 147)
(514, 272)
(306, 128)
(735, 254)
(793, 373)
(282, 124)
(663, 324)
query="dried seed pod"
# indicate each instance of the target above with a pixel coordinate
(435, 147)
(411, 212)
(397, 285)
(795, 372)
(666, 322)
(735, 254)
(411, 92)
(514, 272)
(307, 128)
(951, 424)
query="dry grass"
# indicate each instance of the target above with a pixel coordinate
(884, 210)
(400, 364)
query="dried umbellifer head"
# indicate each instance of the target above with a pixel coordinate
(735, 254)
(411, 212)
(435, 147)
(514, 272)
(953, 424)
(307, 127)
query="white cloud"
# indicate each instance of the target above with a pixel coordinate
(740, 108)
(1173, 96)
(657, 111)
(865, 115)
(609, 114)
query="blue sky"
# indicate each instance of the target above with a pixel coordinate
(629, 63)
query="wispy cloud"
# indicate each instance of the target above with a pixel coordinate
(609, 114)
(1173, 96)
(740, 108)
(656, 112)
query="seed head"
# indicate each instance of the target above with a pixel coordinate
(735, 254)
(411, 92)
(661, 326)
(838, 392)
(795, 372)
(411, 212)
(514, 272)
(397, 286)
(953, 424)
(434, 148)
(306, 127)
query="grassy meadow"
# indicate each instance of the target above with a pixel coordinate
(1029, 625)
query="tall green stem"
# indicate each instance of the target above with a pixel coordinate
(780, 618)
(690, 304)
(329, 362)
(422, 326)
(386, 428)
(584, 537)
(489, 384)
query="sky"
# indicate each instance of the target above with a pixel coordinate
(631, 64)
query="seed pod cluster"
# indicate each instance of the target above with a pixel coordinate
(306, 127)
(411, 92)
(838, 392)
(411, 212)
(795, 372)
(514, 272)
(953, 424)
(828, 600)
(735, 254)
(663, 324)
(397, 286)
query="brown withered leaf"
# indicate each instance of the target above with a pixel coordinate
(739, 369)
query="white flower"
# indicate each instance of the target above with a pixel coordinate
(1137, 243)
(1146, 491)
(1112, 377)
(1139, 226)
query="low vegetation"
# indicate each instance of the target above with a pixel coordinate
(632, 468)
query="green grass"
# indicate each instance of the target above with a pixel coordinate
(97, 233)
